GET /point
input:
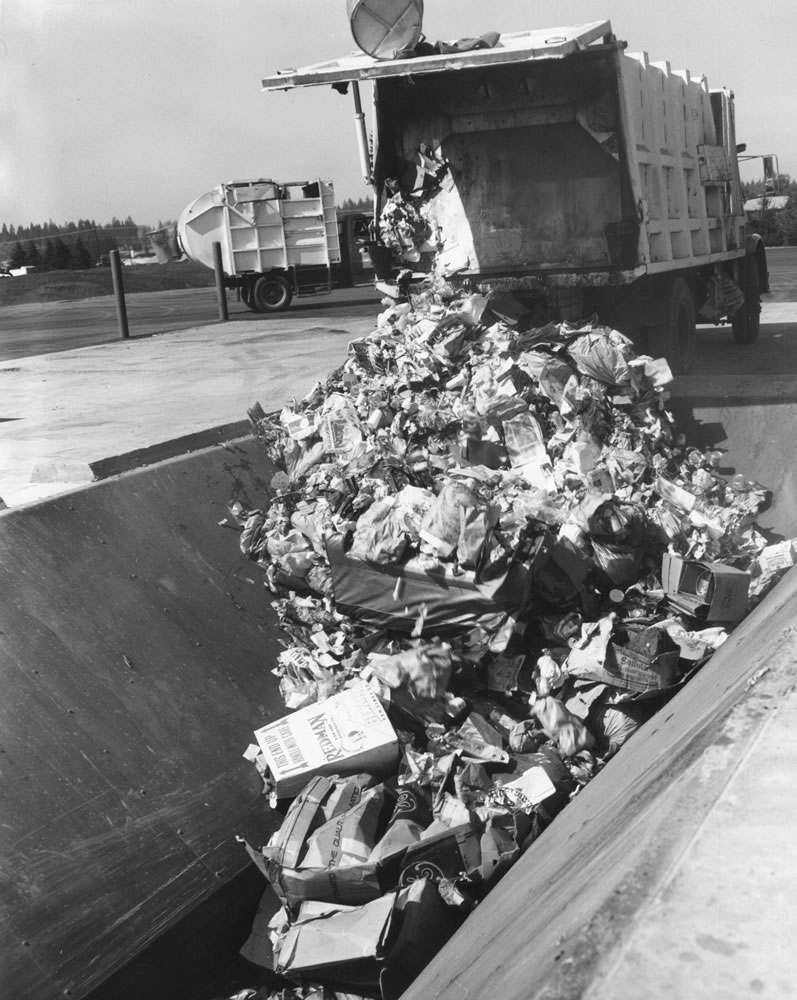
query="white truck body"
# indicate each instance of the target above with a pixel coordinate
(277, 239)
(261, 225)
(573, 166)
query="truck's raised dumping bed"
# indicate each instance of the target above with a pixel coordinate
(134, 652)
(566, 155)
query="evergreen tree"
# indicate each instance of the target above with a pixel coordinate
(19, 256)
(81, 258)
(48, 257)
(60, 254)
(34, 257)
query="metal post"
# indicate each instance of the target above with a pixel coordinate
(119, 294)
(362, 136)
(221, 293)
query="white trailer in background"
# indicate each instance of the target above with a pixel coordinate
(579, 173)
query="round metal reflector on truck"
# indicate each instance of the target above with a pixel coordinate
(381, 28)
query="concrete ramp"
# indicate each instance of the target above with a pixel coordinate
(135, 647)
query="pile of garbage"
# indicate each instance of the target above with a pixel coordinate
(493, 558)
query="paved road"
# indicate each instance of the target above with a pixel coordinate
(47, 327)
(61, 326)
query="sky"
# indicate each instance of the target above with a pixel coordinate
(136, 107)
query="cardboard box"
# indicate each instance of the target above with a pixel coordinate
(639, 671)
(709, 591)
(347, 733)
(647, 661)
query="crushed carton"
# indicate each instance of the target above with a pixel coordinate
(385, 943)
(711, 591)
(648, 662)
(329, 862)
(347, 733)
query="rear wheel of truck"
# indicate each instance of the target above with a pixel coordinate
(271, 293)
(746, 321)
(680, 334)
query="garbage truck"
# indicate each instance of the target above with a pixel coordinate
(559, 164)
(278, 239)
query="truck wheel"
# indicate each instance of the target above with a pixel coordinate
(680, 335)
(746, 321)
(271, 293)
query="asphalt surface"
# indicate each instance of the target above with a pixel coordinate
(65, 413)
(47, 327)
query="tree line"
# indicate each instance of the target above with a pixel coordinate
(51, 247)
(48, 246)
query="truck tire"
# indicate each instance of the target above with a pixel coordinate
(680, 334)
(271, 293)
(746, 321)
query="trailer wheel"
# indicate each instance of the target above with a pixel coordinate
(271, 293)
(746, 321)
(680, 335)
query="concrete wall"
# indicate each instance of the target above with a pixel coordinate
(135, 653)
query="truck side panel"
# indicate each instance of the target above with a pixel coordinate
(682, 162)
(262, 225)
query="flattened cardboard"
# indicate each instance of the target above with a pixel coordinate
(347, 733)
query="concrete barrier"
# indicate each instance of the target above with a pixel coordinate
(136, 646)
